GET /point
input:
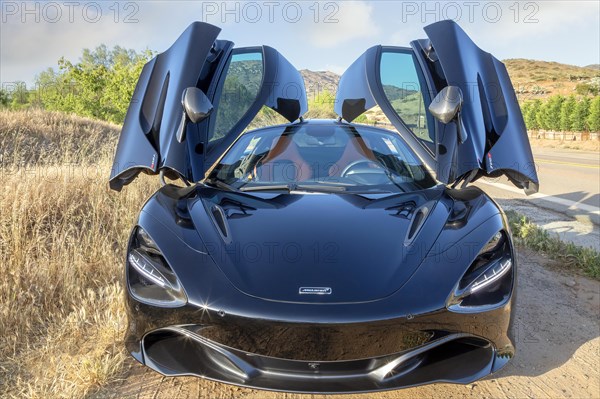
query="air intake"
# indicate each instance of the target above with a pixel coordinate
(417, 222)
(218, 216)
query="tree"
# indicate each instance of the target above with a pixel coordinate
(4, 98)
(321, 105)
(530, 114)
(540, 116)
(566, 110)
(100, 85)
(19, 96)
(550, 119)
(593, 118)
(525, 111)
(580, 114)
(525, 108)
(52, 90)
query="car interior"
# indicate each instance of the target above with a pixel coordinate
(342, 155)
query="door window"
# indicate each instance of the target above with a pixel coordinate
(238, 91)
(403, 85)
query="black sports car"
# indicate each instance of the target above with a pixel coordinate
(323, 255)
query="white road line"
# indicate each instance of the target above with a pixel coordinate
(550, 198)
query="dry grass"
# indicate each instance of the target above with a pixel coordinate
(587, 145)
(39, 137)
(541, 79)
(525, 69)
(62, 233)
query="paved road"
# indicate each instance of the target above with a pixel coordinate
(568, 202)
(571, 175)
(569, 183)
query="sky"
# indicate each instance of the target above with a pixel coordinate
(327, 35)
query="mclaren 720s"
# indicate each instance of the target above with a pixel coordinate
(322, 256)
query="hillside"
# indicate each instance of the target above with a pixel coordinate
(531, 78)
(540, 79)
(50, 138)
(316, 81)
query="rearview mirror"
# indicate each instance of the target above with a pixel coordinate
(446, 106)
(196, 108)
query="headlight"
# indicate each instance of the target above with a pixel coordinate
(149, 276)
(488, 282)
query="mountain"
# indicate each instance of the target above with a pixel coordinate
(247, 71)
(317, 81)
(540, 79)
(531, 79)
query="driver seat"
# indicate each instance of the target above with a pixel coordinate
(356, 150)
(283, 163)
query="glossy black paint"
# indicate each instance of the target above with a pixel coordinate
(317, 241)
(147, 141)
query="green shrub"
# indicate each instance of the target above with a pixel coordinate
(570, 255)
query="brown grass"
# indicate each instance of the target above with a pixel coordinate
(586, 145)
(549, 77)
(39, 137)
(62, 235)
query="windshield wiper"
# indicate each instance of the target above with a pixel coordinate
(297, 187)
(277, 187)
(322, 188)
(220, 184)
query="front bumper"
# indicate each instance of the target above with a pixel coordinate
(321, 358)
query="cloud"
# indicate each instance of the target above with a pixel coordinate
(565, 31)
(31, 42)
(347, 21)
(406, 34)
(548, 30)
(542, 19)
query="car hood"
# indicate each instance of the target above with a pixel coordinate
(327, 248)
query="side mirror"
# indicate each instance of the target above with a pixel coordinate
(446, 106)
(196, 108)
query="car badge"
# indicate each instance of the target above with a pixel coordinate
(315, 291)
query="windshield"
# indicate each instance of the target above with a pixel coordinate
(321, 157)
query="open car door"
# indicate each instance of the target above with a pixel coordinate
(487, 137)
(157, 136)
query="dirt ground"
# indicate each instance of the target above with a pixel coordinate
(586, 145)
(558, 351)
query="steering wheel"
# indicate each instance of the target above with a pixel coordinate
(362, 166)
